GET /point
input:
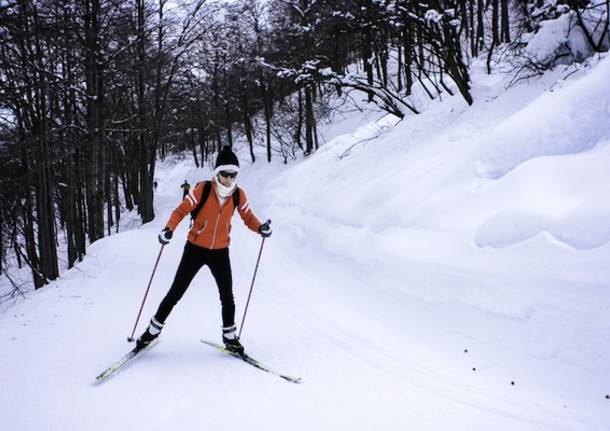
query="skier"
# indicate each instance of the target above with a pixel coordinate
(186, 187)
(208, 244)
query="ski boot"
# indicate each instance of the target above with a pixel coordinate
(151, 333)
(230, 340)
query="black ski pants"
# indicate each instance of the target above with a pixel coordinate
(193, 258)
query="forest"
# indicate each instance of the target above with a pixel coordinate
(94, 92)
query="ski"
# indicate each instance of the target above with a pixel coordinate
(249, 360)
(110, 371)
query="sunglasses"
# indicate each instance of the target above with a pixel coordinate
(228, 174)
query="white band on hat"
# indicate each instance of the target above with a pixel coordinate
(228, 168)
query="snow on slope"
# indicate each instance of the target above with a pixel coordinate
(407, 289)
(572, 118)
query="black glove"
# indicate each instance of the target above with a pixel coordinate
(265, 229)
(165, 235)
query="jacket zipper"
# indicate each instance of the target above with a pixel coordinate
(215, 228)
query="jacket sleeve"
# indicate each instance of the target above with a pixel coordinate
(246, 213)
(187, 205)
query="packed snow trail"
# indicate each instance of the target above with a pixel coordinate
(372, 352)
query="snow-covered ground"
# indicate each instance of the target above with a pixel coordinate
(450, 271)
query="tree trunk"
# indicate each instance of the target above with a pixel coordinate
(480, 25)
(495, 22)
(147, 156)
(216, 106)
(248, 124)
(408, 44)
(472, 35)
(367, 62)
(193, 147)
(299, 131)
(505, 23)
(45, 209)
(309, 121)
(268, 106)
(95, 133)
(228, 124)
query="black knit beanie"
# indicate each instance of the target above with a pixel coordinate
(226, 161)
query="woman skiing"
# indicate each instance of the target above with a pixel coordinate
(211, 204)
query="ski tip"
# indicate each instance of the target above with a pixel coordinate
(100, 379)
(250, 360)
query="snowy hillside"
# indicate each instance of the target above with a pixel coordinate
(449, 271)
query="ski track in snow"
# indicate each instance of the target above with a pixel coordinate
(400, 366)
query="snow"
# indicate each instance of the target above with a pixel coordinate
(564, 35)
(569, 119)
(556, 33)
(416, 269)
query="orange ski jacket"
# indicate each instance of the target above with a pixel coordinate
(212, 227)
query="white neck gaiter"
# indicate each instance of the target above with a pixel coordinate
(223, 191)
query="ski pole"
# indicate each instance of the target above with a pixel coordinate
(130, 339)
(241, 327)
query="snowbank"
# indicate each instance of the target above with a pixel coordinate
(570, 119)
